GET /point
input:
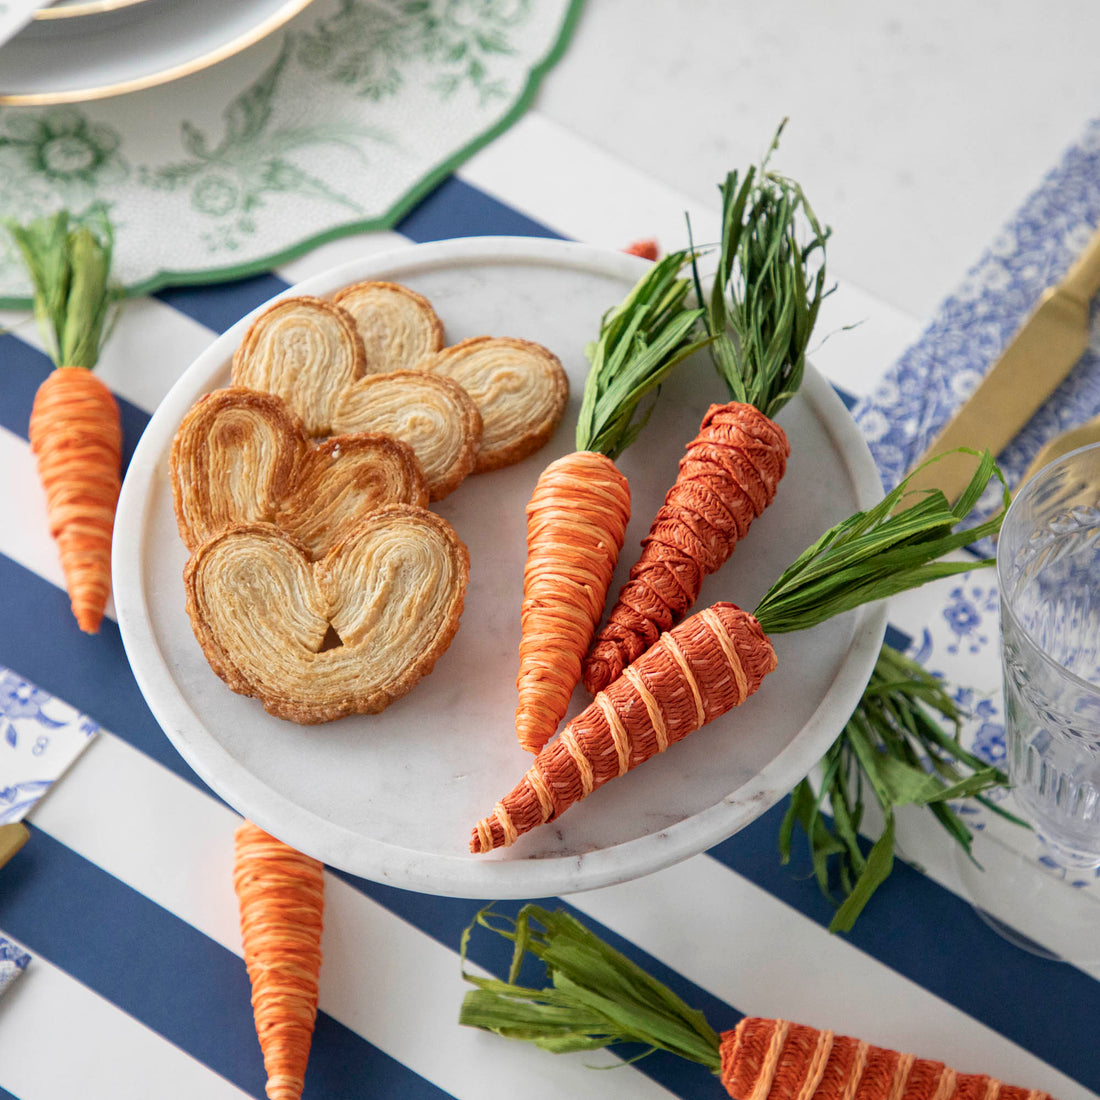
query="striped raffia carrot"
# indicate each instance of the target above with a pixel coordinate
(776, 1060)
(576, 523)
(74, 429)
(577, 515)
(710, 663)
(281, 897)
(77, 440)
(580, 1008)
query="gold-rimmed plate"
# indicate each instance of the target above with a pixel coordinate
(74, 9)
(131, 48)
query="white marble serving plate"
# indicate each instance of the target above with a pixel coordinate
(393, 796)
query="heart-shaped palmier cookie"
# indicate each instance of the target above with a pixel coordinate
(342, 479)
(433, 414)
(398, 326)
(306, 350)
(349, 634)
(520, 388)
(240, 456)
(234, 458)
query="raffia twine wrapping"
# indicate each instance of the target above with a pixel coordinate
(727, 477)
(707, 665)
(777, 1060)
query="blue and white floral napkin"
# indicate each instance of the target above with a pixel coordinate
(954, 624)
(974, 324)
(40, 736)
(13, 961)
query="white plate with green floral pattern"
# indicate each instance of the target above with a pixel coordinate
(131, 47)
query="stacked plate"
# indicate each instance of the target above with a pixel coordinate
(74, 50)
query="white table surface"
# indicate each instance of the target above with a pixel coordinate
(916, 130)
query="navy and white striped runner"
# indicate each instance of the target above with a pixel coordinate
(123, 893)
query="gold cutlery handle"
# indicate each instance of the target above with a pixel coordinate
(1082, 281)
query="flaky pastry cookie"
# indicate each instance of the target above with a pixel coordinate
(240, 456)
(349, 634)
(520, 388)
(433, 414)
(342, 479)
(234, 459)
(306, 350)
(398, 326)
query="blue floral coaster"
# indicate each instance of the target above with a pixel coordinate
(13, 961)
(40, 736)
(976, 322)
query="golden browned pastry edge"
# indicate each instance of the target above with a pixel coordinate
(303, 713)
(317, 423)
(193, 433)
(443, 483)
(536, 434)
(345, 298)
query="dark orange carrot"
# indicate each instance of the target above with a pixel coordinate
(74, 430)
(726, 479)
(766, 1059)
(577, 516)
(760, 313)
(717, 658)
(709, 663)
(281, 897)
(647, 249)
(593, 996)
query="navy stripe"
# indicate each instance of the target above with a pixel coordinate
(5, 1095)
(454, 209)
(42, 643)
(222, 306)
(172, 978)
(933, 937)
(444, 919)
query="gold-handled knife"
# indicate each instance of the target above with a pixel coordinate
(1037, 358)
(12, 838)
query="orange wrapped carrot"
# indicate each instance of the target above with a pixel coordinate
(577, 516)
(74, 426)
(760, 314)
(597, 998)
(717, 658)
(281, 896)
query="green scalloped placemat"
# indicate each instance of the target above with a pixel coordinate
(338, 123)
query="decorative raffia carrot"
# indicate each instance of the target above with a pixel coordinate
(708, 664)
(774, 1060)
(760, 313)
(75, 432)
(577, 515)
(597, 997)
(715, 659)
(281, 896)
(726, 479)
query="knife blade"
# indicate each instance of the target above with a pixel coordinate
(1037, 358)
